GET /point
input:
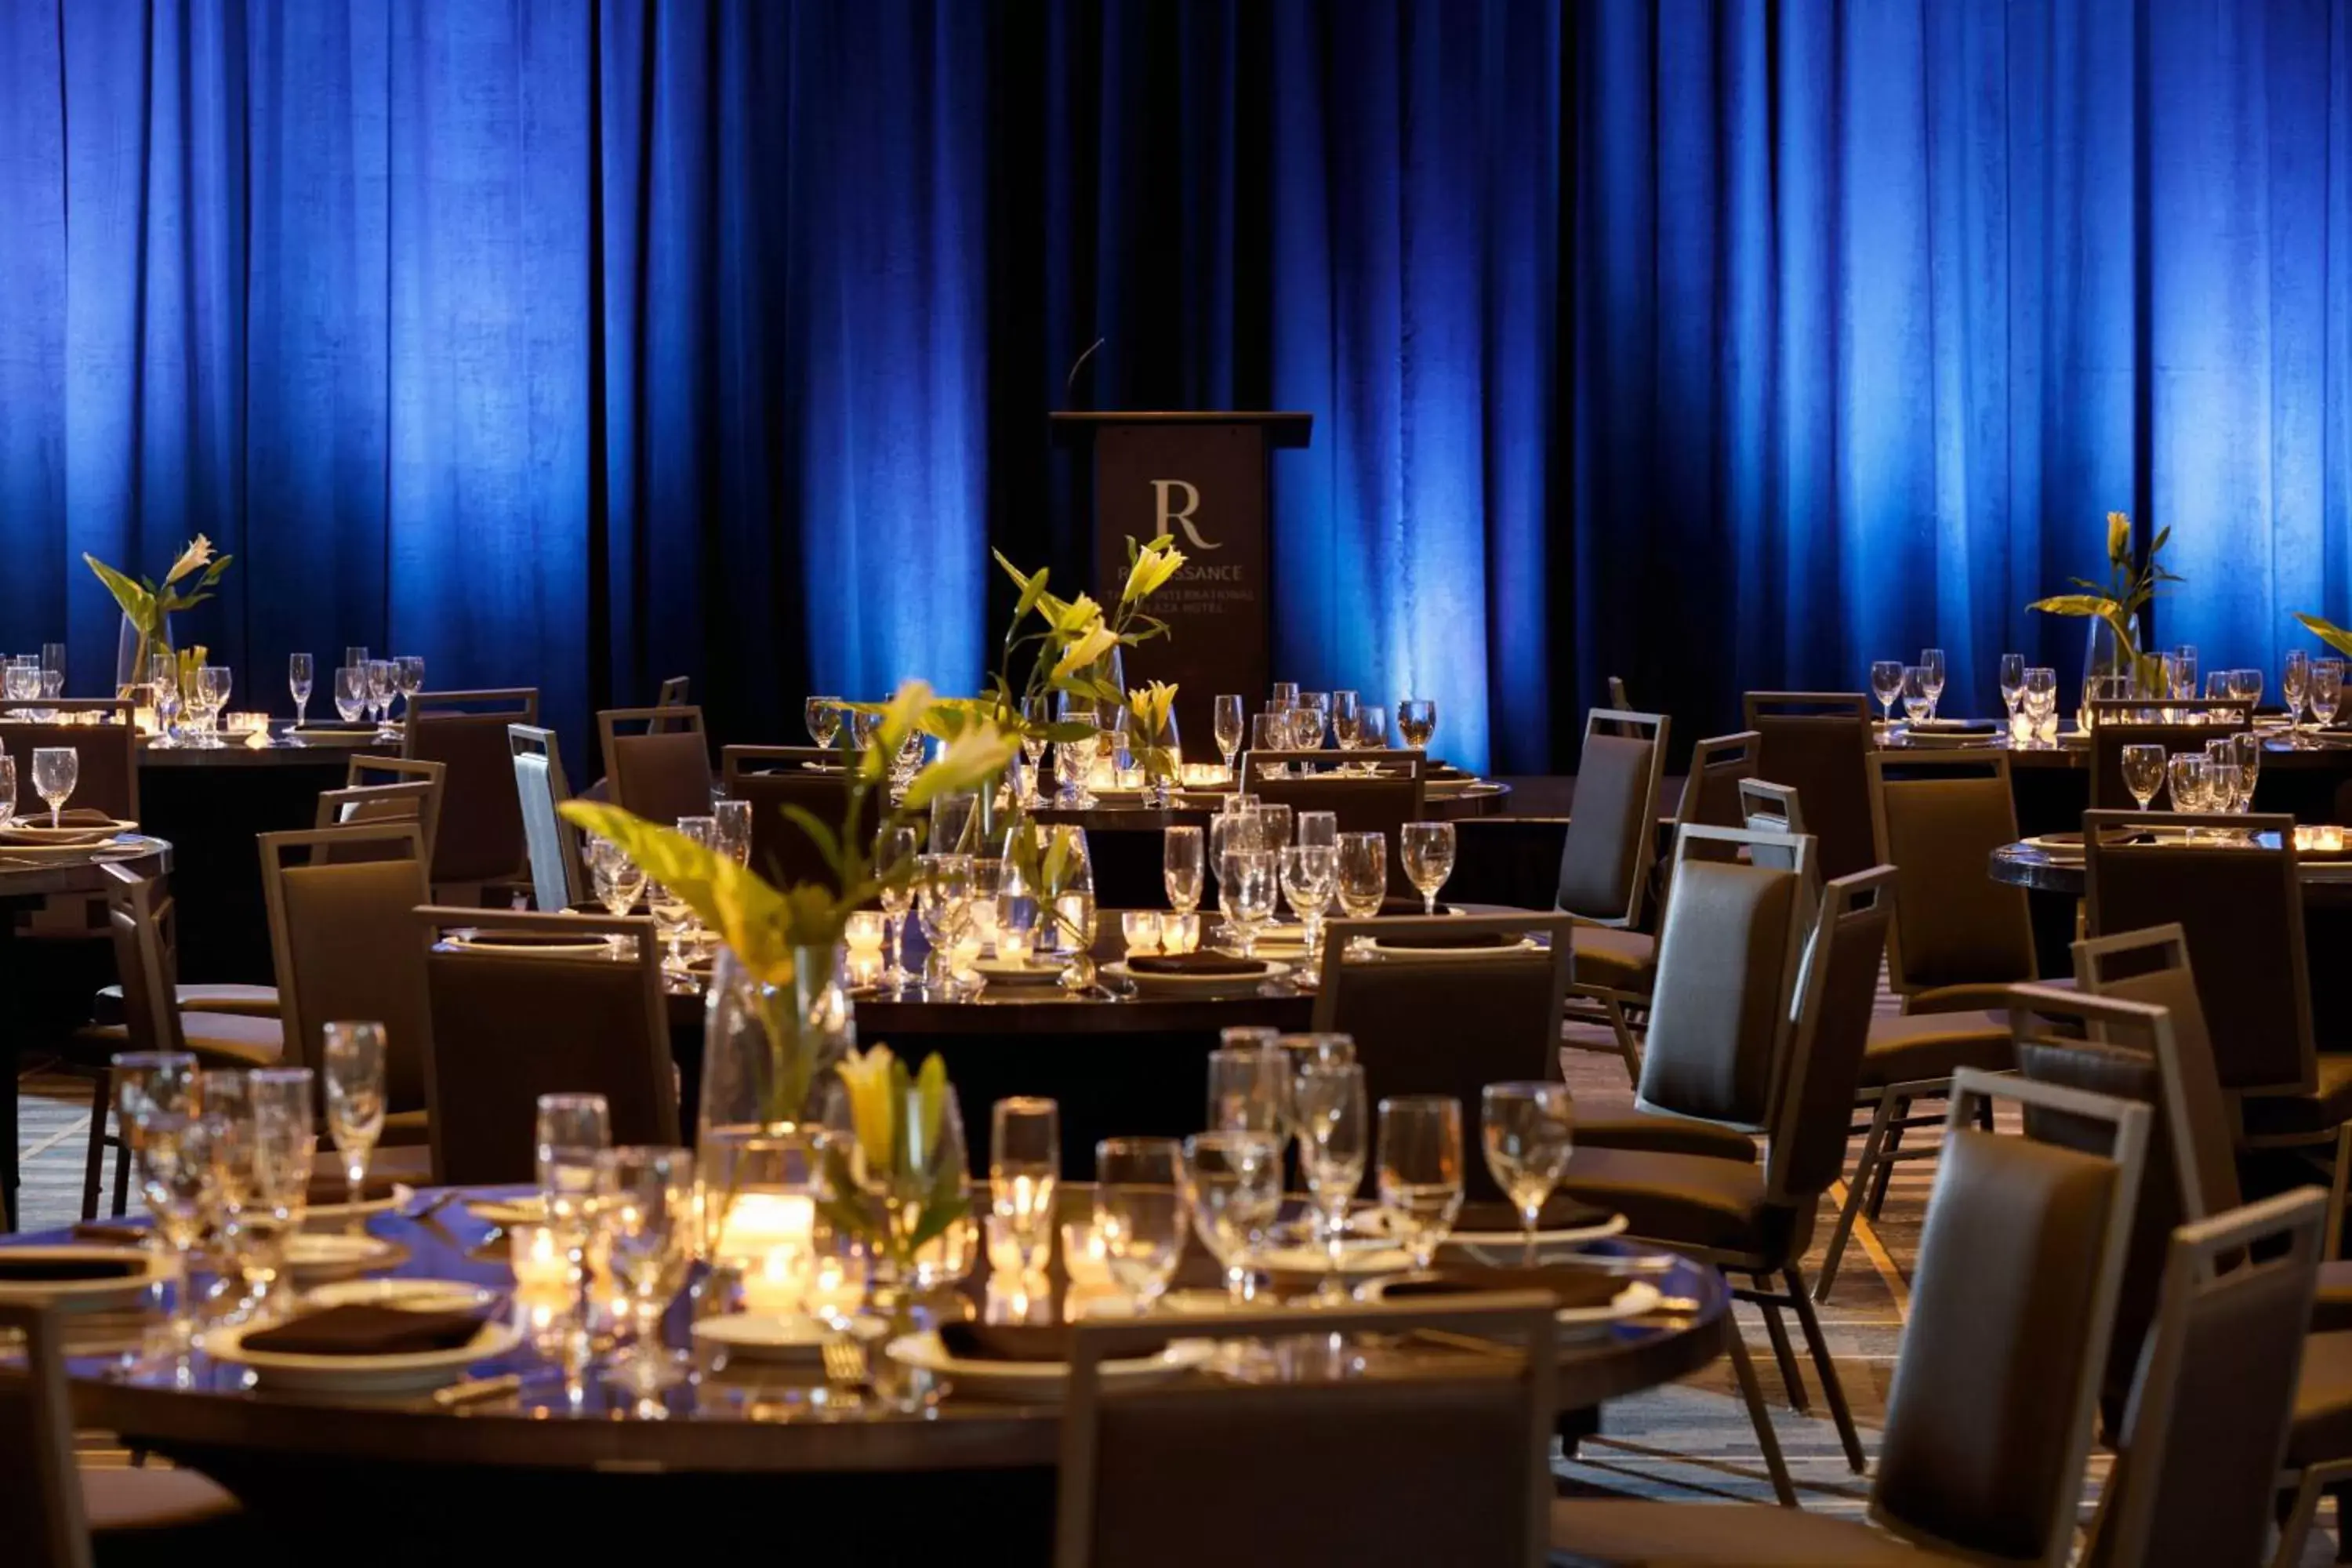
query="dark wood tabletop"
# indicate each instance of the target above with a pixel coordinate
(2325, 883)
(323, 749)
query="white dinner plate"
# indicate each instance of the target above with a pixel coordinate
(367, 1374)
(1207, 987)
(1454, 954)
(1638, 1297)
(409, 1295)
(780, 1336)
(530, 944)
(1505, 1245)
(336, 1255)
(1037, 972)
(1358, 1255)
(88, 1295)
(1039, 1379)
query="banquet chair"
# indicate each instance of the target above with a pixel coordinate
(1959, 937)
(477, 846)
(558, 880)
(2118, 722)
(503, 1027)
(1814, 741)
(1605, 867)
(56, 1514)
(1448, 1023)
(1425, 1465)
(139, 917)
(661, 772)
(1621, 702)
(1709, 1061)
(106, 754)
(773, 777)
(674, 692)
(338, 902)
(369, 804)
(1383, 804)
(1711, 798)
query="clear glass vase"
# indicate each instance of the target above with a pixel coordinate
(132, 648)
(769, 1050)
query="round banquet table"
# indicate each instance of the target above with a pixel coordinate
(739, 1447)
(26, 879)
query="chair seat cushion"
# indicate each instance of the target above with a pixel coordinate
(1619, 960)
(260, 1001)
(217, 1039)
(150, 1498)
(1918, 1046)
(1665, 1135)
(2313, 1115)
(1987, 997)
(1625, 1533)
(1689, 1200)
(2323, 1402)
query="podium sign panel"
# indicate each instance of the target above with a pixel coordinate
(1202, 478)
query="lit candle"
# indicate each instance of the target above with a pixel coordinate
(766, 1234)
(1179, 933)
(541, 1270)
(864, 931)
(1014, 946)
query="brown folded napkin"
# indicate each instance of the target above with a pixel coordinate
(328, 1188)
(1569, 1286)
(1019, 1341)
(1195, 964)
(358, 1330)
(1449, 944)
(1559, 1213)
(117, 1230)
(37, 820)
(64, 1270)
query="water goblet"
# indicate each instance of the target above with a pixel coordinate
(2327, 690)
(1417, 721)
(1024, 1171)
(1373, 729)
(1528, 1132)
(56, 771)
(1232, 1186)
(1248, 1079)
(1308, 874)
(1227, 718)
(645, 1233)
(1420, 1170)
(1428, 852)
(1140, 1213)
(1363, 874)
(2012, 682)
(1327, 1108)
(1181, 870)
(350, 692)
(1931, 660)
(353, 1060)
(822, 717)
(2143, 770)
(1251, 875)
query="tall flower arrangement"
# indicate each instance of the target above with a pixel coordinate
(2132, 584)
(149, 605)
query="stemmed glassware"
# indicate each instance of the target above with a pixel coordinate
(2326, 692)
(1328, 1108)
(1247, 1088)
(382, 683)
(1371, 731)
(1307, 720)
(1180, 869)
(163, 694)
(288, 1139)
(1886, 685)
(1931, 660)
(1024, 1171)
(1250, 876)
(1038, 710)
(2246, 747)
(1273, 820)
(645, 1224)
(2184, 664)
(1232, 1184)
(213, 681)
(1270, 731)
(2040, 703)
(1140, 1213)
(350, 692)
(155, 1092)
(2246, 686)
(56, 771)
(353, 1058)
(2143, 770)
(298, 681)
(1229, 831)
(1428, 851)
(895, 865)
(1074, 760)
(619, 881)
(2012, 683)
(2185, 777)
(732, 832)
(7, 789)
(1420, 1170)
(1527, 1129)
(2295, 684)
(2221, 781)
(1918, 704)
(1417, 721)
(571, 1134)
(822, 717)
(1347, 718)
(1363, 875)
(673, 918)
(1282, 698)
(943, 894)
(408, 675)
(1229, 731)
(1308, 874)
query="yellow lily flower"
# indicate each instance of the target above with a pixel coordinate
(866, 1077)
(971, 758)
(1154, 564)
(2118, 539)
(1085, 649)
(198, 554)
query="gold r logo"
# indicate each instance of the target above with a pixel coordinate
(1181, 516)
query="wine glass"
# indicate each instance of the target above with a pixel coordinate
(1250, 876)
(1228, 721)
(645, 1228)
(1528, 1129)
(620, 881)
(1327, 1107)
(7, 789)
(2040, 701)
(1428, 851)
(1233, 1185)
(2246, 686)
(2184, 660)
(56, 771)
(1270, 731)
(2143, 769)
(1273, 820)
(2221, 776)
(2247, 745)
(1319, 828)
(673, 918)
(1246, 1085)
(2217, 686)
(382, 683)
(1931, 660)
(1140, 1213)
(408, 675)
(163, 694)
(1886, 685)
(151, 1089)
(2326, 691)
(1306, 720)
(895, 865)
(1372, 731)
(943, 894)
(353, 1058)
(2185, 777)
(356, 658)
(1347, 718)
(734, 829)
(1918, 703)
(1181, 870)
(1024, 1171)
(1228, 831)
(2012, 682)
(298, 681)
(213, 683)
(1308, 874)
(1363, 874)
(1417, 721)
(178, 1182)
(570, 1136)
(822, 717)
(1282, 698)
(2295, 684)
(350, 692)
(1420, 1170)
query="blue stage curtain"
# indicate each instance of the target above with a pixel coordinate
(589, 342)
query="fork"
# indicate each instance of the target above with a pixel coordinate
(844, 1362)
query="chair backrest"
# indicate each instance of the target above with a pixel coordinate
(1728, 957)
(1612, 825)
(661, 772)
(369, 804)
(338, 902)
(138, 917)
(674, 692)
(1988, 1417)
(367, 771)
(1768, 807)
(40, 1508)
(2117, 723)
(1711, 798)
(2205, 1437)
(1814, 741)
(1446, 1023)
(1939, 817)
(479, 838)
(772, 777)
(106, 775)
(558, 880)
(506, 1027)
(1812, 1105)
(2239, 905)
(1421, 1465)
(1382, 805)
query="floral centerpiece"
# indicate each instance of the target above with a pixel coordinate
(895, 1153)
(148, 607)
(2114, 608)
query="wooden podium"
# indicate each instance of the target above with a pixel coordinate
(1205, 478)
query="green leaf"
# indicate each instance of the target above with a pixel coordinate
(937, 1216)
(2076, 604)
(2328, 632)
(1057, 859)
(137, 603)
(1068, 732)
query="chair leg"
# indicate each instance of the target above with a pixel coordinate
(93, 1168)
(1886, 1166)
(1766, 1439)
(1774, 1329)
(1864, 1168)
(2332, 1238)
(1629, 1048)
(1832, 1389)
(121, 1173)
(2296, 1529)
